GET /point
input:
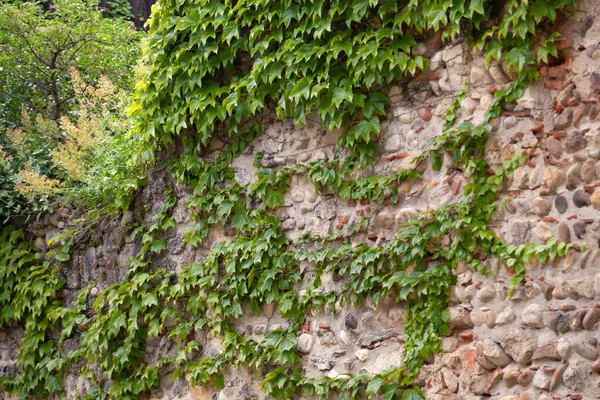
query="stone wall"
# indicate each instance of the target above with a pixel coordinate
(539, 342)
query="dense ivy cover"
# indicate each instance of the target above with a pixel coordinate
(216, 66)
(216, 62)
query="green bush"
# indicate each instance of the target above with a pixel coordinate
(87, 159)
(37, 49)
(40, 53)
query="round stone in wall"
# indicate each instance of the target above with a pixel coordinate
(305, 343)
(425, 113)
(553, 177)
(561, 204)
(350, 321)
(581, 198)
(595, 198)
(532, 316)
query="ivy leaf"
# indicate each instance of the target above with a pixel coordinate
(494, 52)
(436, 17)
(388, 391)
(225, 208)
(375, 104)
(374, 385)
(149, 299)
(158, 246)
(477, 7)
(301, 89)
(545, 51)
(518, 57)
(365, 127)
(413, 394)
(273, 198)
(219, 381)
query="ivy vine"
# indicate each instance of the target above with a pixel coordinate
(217, 67)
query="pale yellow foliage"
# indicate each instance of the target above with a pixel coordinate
(3, 156)
(68, 156)
(17, 137)
(82, 135)
(33, 184)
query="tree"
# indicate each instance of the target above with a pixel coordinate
(38, 48)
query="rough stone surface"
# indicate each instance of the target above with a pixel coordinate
(520, 345)
(535, 340)
(495, 354)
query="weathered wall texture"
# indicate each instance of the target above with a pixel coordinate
(541, 343)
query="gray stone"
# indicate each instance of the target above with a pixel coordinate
(520, 232)
(564, 120)
(498, 75)
(541, 380)
(586, 350)
(582, 288)
(564, 348)
(581, 198)
(393, 144)
(480, 76)
(532, 316)
(510, 122)
(564, 323)
(555, 147)
(350, 321)
(506, 316)
(575, 140)
(374, 337)
(520, 345)
(579, 229)
(260, 329)
(481, 358)
(469, 105)
(565, 95)
(305, 343)
(561, 204)
(451, 380)
(575, 374)
(385, 220)
(495, 354)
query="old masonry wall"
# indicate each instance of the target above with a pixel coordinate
(539, 343)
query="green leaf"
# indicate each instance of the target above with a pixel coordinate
(413, 394)
(219, 381)
(374, 385)
(301, 89)
(518, 57)
(388, 391)
(158, 246)
(273, 198)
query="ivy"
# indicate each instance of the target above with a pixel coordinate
(221, 67)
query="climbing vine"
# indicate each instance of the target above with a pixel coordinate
(216, 69)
